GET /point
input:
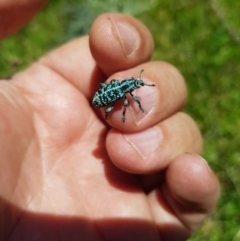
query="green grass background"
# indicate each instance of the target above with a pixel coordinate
(202, 39)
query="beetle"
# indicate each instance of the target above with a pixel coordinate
(109, 93)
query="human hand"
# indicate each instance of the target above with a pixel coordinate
(58, 161)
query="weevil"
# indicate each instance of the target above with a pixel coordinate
(109, 93)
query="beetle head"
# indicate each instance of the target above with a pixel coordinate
(139, 82)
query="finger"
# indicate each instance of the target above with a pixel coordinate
(154, 148)
(15, 14)
(74, 61)
(188, 196)
(159, 102)
(119, 42)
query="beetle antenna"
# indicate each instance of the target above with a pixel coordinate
(140, 76)
(149, 85)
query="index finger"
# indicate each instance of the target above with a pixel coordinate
(119, 42)
(79, 60)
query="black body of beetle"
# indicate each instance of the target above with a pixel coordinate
(111, 92)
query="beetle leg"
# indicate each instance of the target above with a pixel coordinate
(113, 81)
(109, 109)
(125, 104)
(138, 101)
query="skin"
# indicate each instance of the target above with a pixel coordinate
(65, 173)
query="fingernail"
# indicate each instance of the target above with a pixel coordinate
(145, 142)
(200, 158)
(205, 162)
(147, 97)
(127, 36)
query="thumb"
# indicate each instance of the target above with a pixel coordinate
(15, 14)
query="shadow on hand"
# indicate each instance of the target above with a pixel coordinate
(17, 224)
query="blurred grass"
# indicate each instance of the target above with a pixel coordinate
(202, 39)
(40, 35)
